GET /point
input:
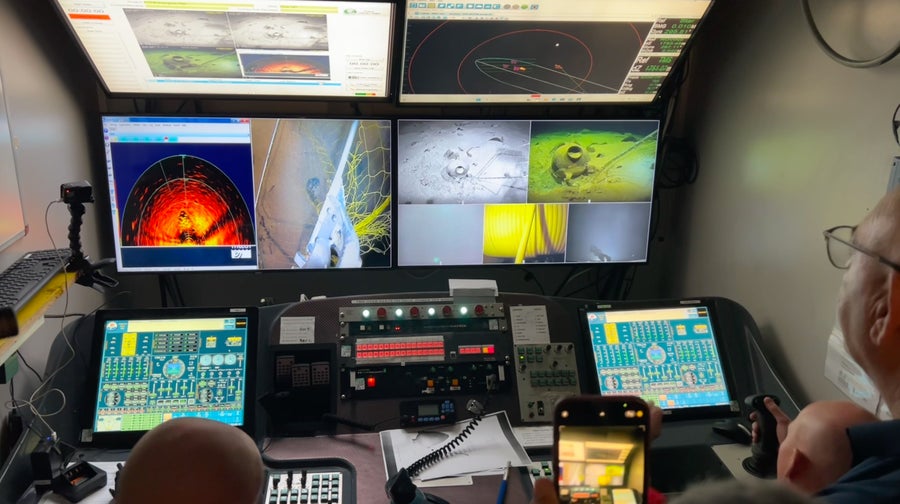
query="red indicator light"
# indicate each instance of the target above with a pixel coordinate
(447, 311)
(382, 313)
(414, 311)
(479, 310)
(370, 382)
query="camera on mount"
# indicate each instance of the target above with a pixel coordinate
(76, 192)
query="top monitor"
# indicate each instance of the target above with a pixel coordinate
(543, 51)
(288, 48)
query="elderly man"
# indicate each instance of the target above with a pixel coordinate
(869, 316)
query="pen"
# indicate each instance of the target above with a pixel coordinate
(501, 496)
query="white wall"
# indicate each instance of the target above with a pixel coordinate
(50, 148)
(790, 143)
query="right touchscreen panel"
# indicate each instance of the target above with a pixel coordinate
(668, 355)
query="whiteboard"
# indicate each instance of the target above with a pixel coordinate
(12, 221)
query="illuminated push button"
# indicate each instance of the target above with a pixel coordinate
(454, 382)
(414, 312)
(370, 382)
(447, 311)
(382, 313)
(366, 313)
(463, 310)
(398, 312)
(479, 310)
(430, 383)
(431, 312)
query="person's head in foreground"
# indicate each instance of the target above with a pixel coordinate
(192, 460)
(868, 309)
(741, 492)
(816, 451)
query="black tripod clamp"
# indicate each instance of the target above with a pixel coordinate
(87, 273)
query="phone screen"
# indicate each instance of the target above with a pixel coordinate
(600, 450)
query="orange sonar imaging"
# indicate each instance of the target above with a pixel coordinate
(185, 200)
(293, 68)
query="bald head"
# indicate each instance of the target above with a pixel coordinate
(880, 229)
(192, 460)
(816, 451)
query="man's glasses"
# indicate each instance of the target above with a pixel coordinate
(840, 247)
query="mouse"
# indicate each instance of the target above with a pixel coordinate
(734, 430)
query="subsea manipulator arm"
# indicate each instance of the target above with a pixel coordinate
(334, 242)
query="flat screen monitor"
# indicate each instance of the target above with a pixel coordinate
(543, 51)
(153, 365)
(666, 353)
(244, 194)
(295, 48)
(503, 191)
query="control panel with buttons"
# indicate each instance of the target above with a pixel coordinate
(545, 373)
(424, 348)
(427, 412)
(300, 482)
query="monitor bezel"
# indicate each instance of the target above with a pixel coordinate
(126, 439)
(697, 412)
(662, 94)
(645, 114)
(390, 256)
(390, 77)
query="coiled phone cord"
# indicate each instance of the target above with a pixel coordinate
(473, 407)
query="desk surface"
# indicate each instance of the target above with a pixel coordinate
(364, 452)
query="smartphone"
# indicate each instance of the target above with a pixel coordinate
(600, 449)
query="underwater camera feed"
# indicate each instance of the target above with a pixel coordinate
(518, 191)
(592, 161)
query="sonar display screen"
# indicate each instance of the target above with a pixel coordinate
(153, 370)
(667, 355)
(226, 193)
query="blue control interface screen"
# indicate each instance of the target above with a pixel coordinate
(156, 370)
(666, 355)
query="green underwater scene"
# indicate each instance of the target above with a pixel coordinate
(174, 62)
(592, 161)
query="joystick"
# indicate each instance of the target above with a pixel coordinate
(764, 452)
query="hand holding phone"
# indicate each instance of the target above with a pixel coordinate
(600, 449)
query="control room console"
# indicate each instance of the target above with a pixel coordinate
(351, 366)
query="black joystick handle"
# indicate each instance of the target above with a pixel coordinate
(765, 451)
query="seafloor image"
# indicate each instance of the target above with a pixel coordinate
(592, 161)
(462, 162)
(175, 62)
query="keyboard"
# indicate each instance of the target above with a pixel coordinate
(308, 482)
(29, 274)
